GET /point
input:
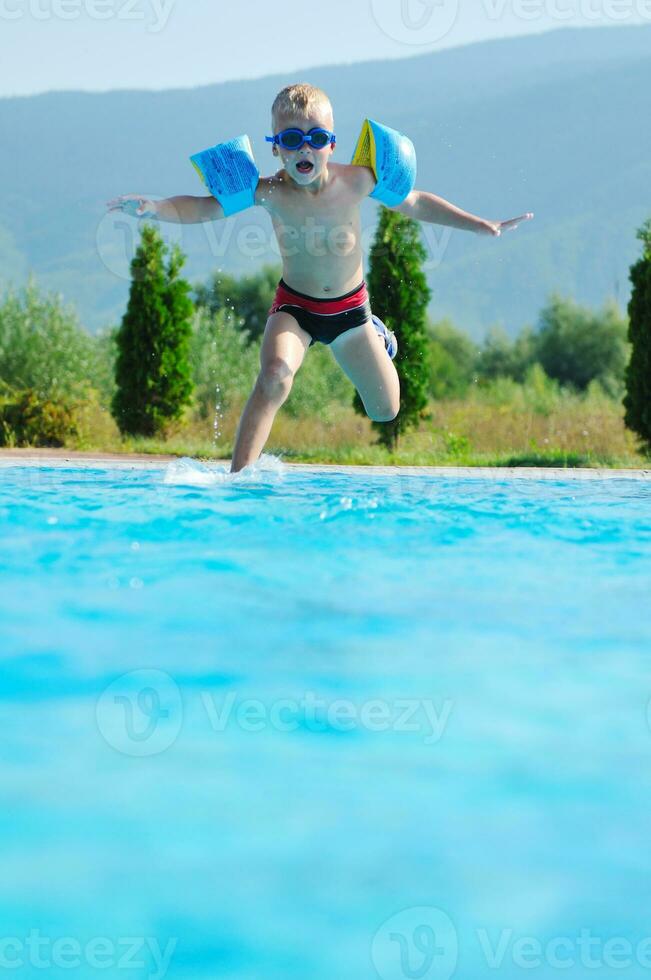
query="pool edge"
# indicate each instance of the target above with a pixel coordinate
(107, 461)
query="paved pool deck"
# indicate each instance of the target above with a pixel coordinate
(66, 458)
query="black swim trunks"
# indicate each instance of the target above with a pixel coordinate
(323, 319)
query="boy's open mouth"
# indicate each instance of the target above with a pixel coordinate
(305, 167)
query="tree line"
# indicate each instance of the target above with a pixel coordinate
(162, 355)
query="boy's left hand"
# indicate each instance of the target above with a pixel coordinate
(496, 228)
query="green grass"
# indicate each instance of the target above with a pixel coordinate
(374, 455)
(503, 426)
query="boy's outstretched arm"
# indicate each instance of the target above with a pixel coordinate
(423, 206)
(183, 209)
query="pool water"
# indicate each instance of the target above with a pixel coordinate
(341, 725)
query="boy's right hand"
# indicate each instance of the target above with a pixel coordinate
(134, 205)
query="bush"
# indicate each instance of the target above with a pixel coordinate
(453, 356)
(224, 366)
(244, 301)
(576, 345)
(319, 384)
(106, 352)
(501, 357)
(540, 393)
(535, 393)
(30, 420)
(496, 355)
(43, 347)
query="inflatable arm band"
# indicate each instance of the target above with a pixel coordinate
(229, 172)
(392, 158)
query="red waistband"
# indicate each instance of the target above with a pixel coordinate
(285, 295)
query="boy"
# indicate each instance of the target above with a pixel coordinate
(314, 207)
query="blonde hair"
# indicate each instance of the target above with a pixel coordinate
(299, 100)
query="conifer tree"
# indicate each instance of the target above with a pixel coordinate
(637, 400)
(152, 370)
(399, 296)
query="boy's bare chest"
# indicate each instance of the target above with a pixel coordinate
(319, 226)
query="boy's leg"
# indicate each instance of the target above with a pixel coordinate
(283, 348)
(361, 353)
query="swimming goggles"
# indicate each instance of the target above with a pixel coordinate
(293, 139)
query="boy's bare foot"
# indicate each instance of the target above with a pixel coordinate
(390, 342)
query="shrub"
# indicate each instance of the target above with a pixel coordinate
(319, 385)
(106, 352)
(576, 345)
(27, 419)
(501, 357)
(245, 301)
(43, 347)
(452, 360)
(535, 393)
(224, 366)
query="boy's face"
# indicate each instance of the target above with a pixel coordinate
(306, 164)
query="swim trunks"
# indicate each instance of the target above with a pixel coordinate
(323, 319)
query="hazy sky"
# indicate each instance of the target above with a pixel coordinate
(107, 44)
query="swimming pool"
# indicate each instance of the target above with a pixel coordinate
(323, 724)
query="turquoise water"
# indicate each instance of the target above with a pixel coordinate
(306, 725)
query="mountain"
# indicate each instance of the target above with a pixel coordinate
(555, 123)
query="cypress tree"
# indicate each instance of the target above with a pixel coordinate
(399, 296)
(152, 369)
(637, 400)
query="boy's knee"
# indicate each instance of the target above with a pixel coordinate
(275, 379)
(384, 413)
(387, 416)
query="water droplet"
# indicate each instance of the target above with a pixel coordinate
(217, 417)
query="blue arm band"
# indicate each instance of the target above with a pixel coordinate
(229, 172)
(392, 158)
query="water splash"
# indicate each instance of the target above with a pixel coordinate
(192, 473)
(219, 415)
